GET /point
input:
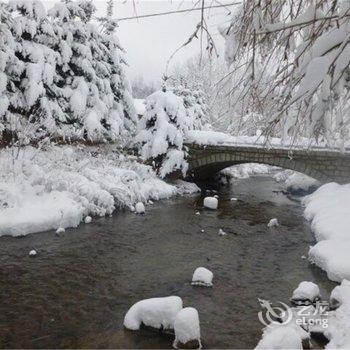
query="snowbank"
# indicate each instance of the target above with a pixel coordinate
(154, 312)
(328, 210)
(338, 331)
(140, 106)
(60, 186)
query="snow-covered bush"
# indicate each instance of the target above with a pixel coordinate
(60, 77)
(155, 312)
(161, 132)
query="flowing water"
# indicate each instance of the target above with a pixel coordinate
(76, 291)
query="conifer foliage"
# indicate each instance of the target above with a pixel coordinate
(60, 75)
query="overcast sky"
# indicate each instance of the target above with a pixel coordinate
(150, 42)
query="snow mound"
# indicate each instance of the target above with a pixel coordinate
(211, 202)
(33, 252)
(202, 277)
(307, 292)
(187, 328)
(154, 312)
(243, 171)
(140, 208)
(283, 336)
(60, 230)
(222, 232)
(300, 183)
(340, 295)
(88, 219)
(273, 223)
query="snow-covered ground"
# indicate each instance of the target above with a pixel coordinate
(60, 186)
(328, 210)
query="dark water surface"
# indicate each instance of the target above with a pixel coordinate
(76, 291)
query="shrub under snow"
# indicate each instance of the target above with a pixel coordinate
(154, 312)
(60, 186)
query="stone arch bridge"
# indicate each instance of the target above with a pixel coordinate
(322, 164)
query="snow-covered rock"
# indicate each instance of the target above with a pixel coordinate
(140, 208)
(60, 230)
(233, 199)
(273, 223)
(222, 232)
(202, 277)
(33, 252)
(87, 219)
(306, 293)
(243, 171)
(211, 202)
(282, 336)
(198, 213)
(340, 295)
(185, 187)
(301, 184)
(187, 329)
(154, 312)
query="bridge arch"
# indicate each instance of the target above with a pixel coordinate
(323, 165)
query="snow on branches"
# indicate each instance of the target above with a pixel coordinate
(296, 55)
(60, 77)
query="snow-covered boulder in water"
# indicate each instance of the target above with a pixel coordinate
(140, 208)
(33, 253)
(187, 329)
(60, 230)
(88, 219)
(280, 336)
(202, 277)
(222, 232)
(211, 202)
(306, 293)
(273, 223)
(301, 184)
(154, 312)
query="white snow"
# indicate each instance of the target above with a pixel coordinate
(140, 106)
(308, 291)
(33, 252)
(297, 181)
(154, 312)
(273, 223)
(88, 219)
(58, 186)
(60, 230)
(186, 326)
(211, 202)
(222, 232)
(328, 210)
(202, 277)
(286, 336)
(234, 199)
(243, 171)
(184, 187)
(140, 208)
(338, 331)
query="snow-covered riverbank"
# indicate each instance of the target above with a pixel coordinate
(59, 186)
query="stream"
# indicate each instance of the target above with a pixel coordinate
(76, 291)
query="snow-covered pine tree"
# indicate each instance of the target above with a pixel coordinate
(92, 90)
(161, 131)
(27, 65)
(60, 77)
(194, 100)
